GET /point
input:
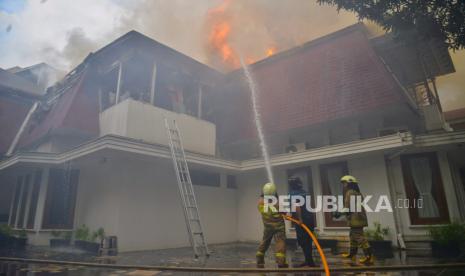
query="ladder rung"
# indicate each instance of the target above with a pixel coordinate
(186, 189)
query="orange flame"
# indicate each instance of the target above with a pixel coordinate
(270, 51)
(219, 35)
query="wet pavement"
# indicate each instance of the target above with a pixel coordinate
(234, 255)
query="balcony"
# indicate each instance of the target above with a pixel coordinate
(143, 121)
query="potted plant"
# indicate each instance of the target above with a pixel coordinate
(60, 239)
(19, 239)
(6, 236)
(86, 241)
(376, 236)
(447, 240)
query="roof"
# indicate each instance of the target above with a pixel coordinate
(404, 62)
(333, 77)
(18, 84)
(62, 113)
(75, 109)
(161, 51)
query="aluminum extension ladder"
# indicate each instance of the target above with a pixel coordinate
(186, 191)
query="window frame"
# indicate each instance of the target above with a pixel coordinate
(73, 182)
(438, 189)
(329, 222)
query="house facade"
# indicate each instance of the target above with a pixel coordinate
(95, 150)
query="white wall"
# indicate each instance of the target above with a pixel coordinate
(138, 201)
(141, 120)
(373, 180)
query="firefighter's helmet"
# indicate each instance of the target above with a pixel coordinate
(348, 179)
(269, 189)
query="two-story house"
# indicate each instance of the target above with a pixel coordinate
(95, 150)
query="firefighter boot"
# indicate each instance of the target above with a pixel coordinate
(260, 260)
(369, 259)
(281, 260)
(349, 258)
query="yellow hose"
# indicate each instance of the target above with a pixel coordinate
(315, 241)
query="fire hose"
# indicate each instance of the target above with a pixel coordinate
(315, 241)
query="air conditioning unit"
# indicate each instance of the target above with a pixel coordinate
(295, 147)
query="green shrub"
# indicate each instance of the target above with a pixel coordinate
(445, 234)
(377, 233)
(83, 233)
(21, 234)
(6, 230)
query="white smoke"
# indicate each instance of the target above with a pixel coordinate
(62, 33)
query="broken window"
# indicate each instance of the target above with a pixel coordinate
(127, 79)
(177, 91)
(108, 87)
(136, 79)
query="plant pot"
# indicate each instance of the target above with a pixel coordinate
(54, 243)
(87, 246)
(382, 249)
(449, 250)
(329, 243)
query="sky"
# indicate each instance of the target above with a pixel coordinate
(63, 32)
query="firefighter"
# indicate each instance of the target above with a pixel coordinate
(274, 226)
(303, 215)
(356, 221)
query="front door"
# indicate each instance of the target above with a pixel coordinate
(305, 174)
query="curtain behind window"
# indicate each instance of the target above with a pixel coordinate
(423, 180)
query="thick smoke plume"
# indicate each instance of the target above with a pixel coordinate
(62, 33)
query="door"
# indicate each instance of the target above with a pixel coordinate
(305, 174)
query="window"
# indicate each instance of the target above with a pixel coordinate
(33, 199)
(330, 180)
(305, 174)
(24, 203)
(14, 204)
(422, 179)
(203, 178)
(61, 199)
(231, 182)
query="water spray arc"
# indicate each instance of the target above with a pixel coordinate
(258, 123)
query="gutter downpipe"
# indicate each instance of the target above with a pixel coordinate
(15, 141)
(393, 191)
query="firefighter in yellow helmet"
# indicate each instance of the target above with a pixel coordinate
(356, 221)
(274, 226)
